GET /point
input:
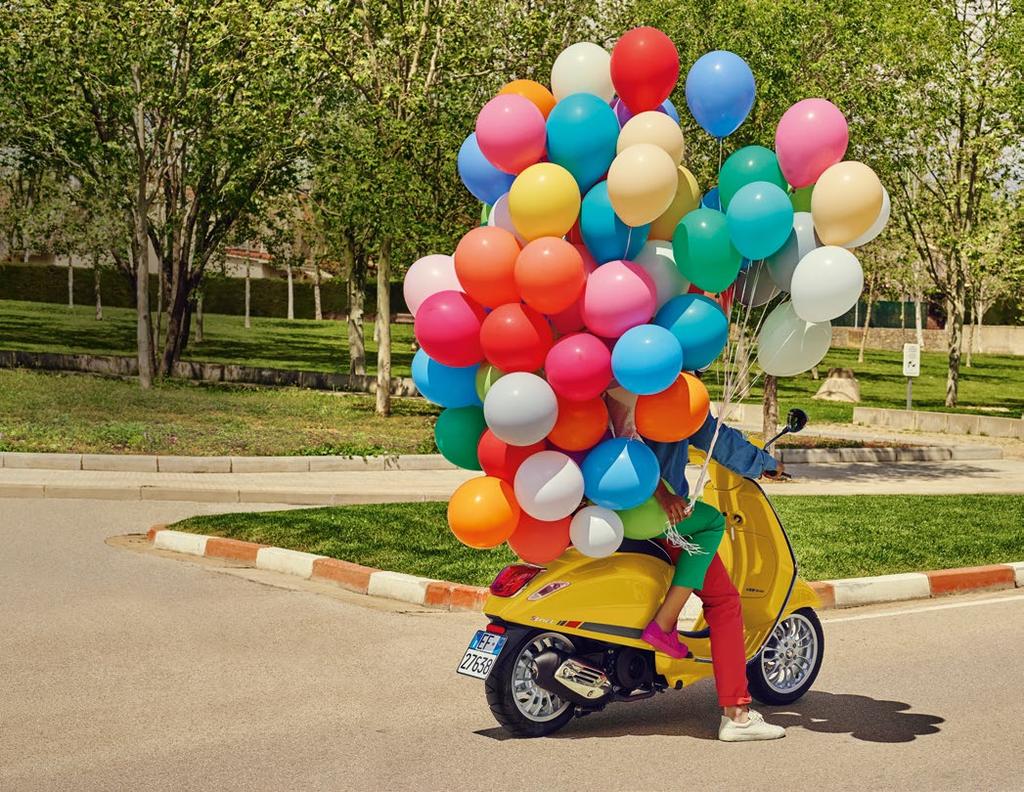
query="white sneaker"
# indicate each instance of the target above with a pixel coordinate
(754, 729)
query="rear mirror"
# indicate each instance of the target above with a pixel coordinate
(796, 420)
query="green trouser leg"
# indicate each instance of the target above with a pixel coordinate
(704, 527)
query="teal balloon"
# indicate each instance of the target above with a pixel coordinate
(745, 166)
(760, 219)
(703, 251)
(605, 235)
(457, 434)
(582, 131)
(699, 325)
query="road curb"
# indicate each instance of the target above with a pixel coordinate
(842, 593)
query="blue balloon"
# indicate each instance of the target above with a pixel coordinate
(720, 92)
(670, 110)
(647, 359)
(605, 235)
(711, 199)
(486, 182)
(699, 325)
(582, 130)
(620, 473)
(760, 219)
(449, 386)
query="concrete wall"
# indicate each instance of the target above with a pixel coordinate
(995, 340)
(943, 423)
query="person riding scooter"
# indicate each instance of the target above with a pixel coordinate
(698, 567)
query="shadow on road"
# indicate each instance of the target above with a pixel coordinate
(887, 471)
(862, 717)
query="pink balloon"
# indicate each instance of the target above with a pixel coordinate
(618, 295)
(448, 328)
(511, 133)
(427, 276)
(812, 136)
(578, 367)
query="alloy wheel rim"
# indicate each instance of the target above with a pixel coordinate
(790, 655)
(533, 701)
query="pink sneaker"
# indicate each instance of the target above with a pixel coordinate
(665, 642)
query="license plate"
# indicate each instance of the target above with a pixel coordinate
(482, 654)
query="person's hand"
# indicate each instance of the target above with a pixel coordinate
(778, 473)
(675, 507)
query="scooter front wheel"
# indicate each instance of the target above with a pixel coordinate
(518, 703)
(789, 662)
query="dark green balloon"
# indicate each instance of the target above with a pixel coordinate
(457, 434)
(748, 164)
(704, 253)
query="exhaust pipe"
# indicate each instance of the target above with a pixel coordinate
(571, 678)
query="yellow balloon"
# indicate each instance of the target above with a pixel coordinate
(846, 201)
(652, 127)
(687, 199)
(544, 201)
(642, 182)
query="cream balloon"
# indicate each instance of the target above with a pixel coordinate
(787, 345)
(596, 531)
(801, 241)
(846, 201)
(657, 260)
(687, 198)
(582, 68)
(754, 286)
(877, 227)
(502, 218)
(656, 128)
(826, 284)
(429, 275)
(642, 182)
(549, 486)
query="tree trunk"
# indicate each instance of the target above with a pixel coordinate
(867, 320)
(954, 331)
(71, 283)
(770, 412)
(318, 313)
(144, 323)
(918, 324)
(384, 329)
(179, 312)
(356, 268)
(969, 362)
(979, 320)
(291, 294)
(199, 318)
(248, 296)
(96, 287)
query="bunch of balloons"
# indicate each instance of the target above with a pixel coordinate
(602, 267)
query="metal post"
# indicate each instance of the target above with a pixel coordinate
(910, 390)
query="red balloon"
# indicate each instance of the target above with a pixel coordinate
(515, 337)
(448, 327)
(645, 67)
(537, 541)
(501, 460)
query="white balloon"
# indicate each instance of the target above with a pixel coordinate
(549, 485)
(582, 68)
(826, 284)
(502, 218)
(658, 261)
(787, 345)
(596, 531)
(520, 408)
(801, 241)
(429, 275)
(754, 286)
(877, 226)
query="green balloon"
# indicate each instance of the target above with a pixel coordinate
(644, 521)
(703, 251)
(801, 199)
(748, 164)
(486, 376)
(457, 434)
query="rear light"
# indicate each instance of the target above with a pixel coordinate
(497, 629)
(512, 578)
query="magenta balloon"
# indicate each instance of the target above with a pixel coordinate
(448, 328)
(578, 367)
(427, 276)
(618, 295)
(811, 137)
(511, 133)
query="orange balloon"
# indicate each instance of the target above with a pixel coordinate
(580, 424)
(674, 414)
(483, 512)
(485, 262)
(534, 91)
(538, 542)
(550, 274)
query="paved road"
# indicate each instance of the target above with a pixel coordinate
(128, 669)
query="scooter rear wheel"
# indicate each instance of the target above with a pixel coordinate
(518, 703)
(789, 662)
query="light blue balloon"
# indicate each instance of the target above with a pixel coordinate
(605, 235)
(710, 199)
(720, 92)
(647, 359)
(620, 473)
(449, 386)
(760, 219)
(670, 110)
(482, 179)
(582, 130)
(699, 325)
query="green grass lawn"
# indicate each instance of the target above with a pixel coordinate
(80, 413)
(834, 536)
(269, 343)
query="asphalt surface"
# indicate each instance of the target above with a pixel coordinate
(124, 668)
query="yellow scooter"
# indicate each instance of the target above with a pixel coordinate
(564, 640)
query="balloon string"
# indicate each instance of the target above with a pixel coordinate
(629, 240)
(721, 145)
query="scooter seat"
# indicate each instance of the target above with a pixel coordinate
(645, 547)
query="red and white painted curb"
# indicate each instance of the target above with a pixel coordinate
(845, 593)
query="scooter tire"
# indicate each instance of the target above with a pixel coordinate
(500, 698)
(759, 686)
